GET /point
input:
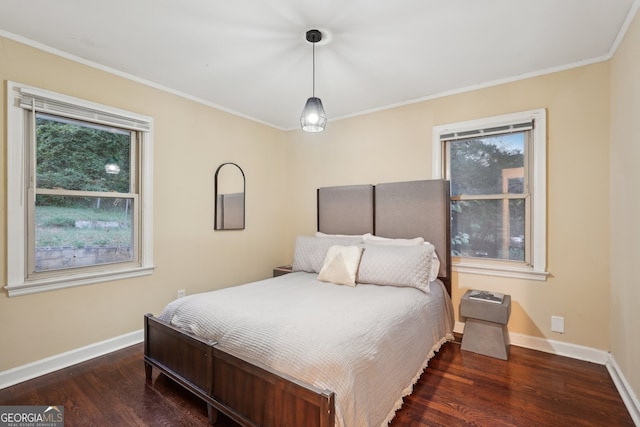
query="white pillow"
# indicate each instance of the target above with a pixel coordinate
(310, 251)
(340, 236)
(378, 240)
(435, 265)
(341, 265)
(404, 266)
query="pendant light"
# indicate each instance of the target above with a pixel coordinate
(313, 118)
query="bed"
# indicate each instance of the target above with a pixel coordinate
(259, 354)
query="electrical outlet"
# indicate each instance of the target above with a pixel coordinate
(181, 293)
(557, 324)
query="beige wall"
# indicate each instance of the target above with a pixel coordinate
(625, 206)
(190, 141)
(395, 145)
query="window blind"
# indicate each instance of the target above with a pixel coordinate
(478, 133)
(46, 103)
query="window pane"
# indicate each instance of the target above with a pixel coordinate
(75, 155)
(82, 231)
(488, 229)
(489, 165)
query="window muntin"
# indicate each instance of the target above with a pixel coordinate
(117, 176)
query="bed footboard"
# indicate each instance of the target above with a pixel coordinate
(249, 393)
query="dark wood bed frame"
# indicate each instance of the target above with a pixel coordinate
(246, 391)
(249, 393)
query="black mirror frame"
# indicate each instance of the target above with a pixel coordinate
(216, 194)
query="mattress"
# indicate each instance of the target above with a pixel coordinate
(368, 344)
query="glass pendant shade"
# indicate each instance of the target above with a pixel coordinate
(112, 168)
(313, 118)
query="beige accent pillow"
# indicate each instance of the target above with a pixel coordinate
(341, 265)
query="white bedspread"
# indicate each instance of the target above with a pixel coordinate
(368, 344)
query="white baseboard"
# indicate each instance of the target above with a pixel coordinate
(50, 364)
(626, 392)
(588, 354)
(573, 351)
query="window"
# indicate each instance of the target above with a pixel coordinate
(79, 193)
(497, 169)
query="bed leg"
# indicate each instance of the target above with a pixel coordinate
(213, 414)
(147, 371)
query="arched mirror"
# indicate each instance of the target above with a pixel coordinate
(229, 197)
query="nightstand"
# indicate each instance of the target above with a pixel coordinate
(485, 330)
(283, 269)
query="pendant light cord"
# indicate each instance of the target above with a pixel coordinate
(313, 89)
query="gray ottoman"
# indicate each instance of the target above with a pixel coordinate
(485, 330)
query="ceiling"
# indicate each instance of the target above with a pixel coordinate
(251, 58)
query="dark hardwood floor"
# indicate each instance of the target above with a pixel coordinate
(458, 389)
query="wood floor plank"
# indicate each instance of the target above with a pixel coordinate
(458, 388)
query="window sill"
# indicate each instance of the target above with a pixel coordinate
(501, 271)
(50, 284)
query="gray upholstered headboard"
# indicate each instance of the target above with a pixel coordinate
(346, 209)
(397, 210)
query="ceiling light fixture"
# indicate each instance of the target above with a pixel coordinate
(313, 118)
(112, 167)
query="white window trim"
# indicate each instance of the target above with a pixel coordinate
(537, 269)
(17, 283)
